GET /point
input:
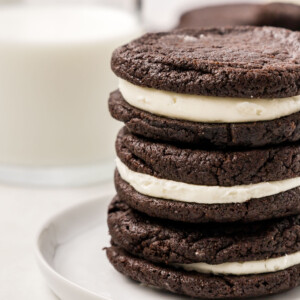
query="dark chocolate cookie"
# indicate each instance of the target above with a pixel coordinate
(252, 134)
(275, 206)
(167, 242)
(284, 15)
(249, 62)
(221, 15)
(200, 285)
(207, 167)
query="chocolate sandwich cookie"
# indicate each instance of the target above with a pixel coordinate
(207, 261)
(200, 285)
(163, 241)
(207, 167)
(221, 15)
(200, 185)
(215, 86)
(274, 206)
(247, 134)
(245, 62)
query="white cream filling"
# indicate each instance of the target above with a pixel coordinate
(173, 190)
(246, 268)
(206, 108)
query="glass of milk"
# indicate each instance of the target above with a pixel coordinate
(55, 80)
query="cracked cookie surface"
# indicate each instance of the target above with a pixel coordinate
(247, 62)
(164, 241)
(207, 167)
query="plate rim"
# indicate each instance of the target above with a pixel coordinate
(45, 267)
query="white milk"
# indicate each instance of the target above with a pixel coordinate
(55, 79)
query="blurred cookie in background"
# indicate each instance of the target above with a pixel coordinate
(280, 15)
(277, 14)
(221, 15)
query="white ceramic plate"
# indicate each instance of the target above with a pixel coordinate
(69, 253)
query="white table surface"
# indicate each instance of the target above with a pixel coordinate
(22, 211)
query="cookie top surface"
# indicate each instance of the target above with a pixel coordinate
(170, 242)
(247, 62)
(221, 15)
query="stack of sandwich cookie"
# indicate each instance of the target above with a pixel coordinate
(206, 261)
(244, 94)
(208, 165)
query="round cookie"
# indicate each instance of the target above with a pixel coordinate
(275, 206)
(200, 285)
(207, 167)
(162, 241)
(246, 62)
(286, 15)
(252, 134)
(221, 15)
